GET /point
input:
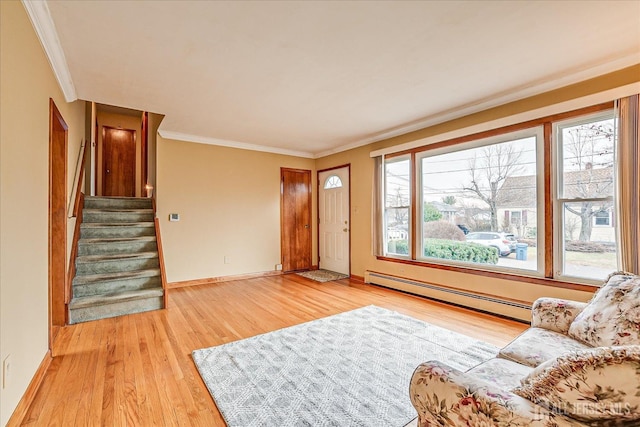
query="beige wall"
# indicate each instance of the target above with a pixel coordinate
(89, 138)
(362, 258)
(229, 205)
(26, 84)
(124, 122)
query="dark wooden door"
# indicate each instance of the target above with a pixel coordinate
(119, 162)
(296, 219)
(57, 220)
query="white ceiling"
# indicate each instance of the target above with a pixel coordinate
(310, 78)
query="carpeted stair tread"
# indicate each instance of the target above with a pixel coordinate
(104, 299)
(98, 240)
(116, 224)
(118, 209)
(100, 230)
(114, 263)
(110, 198)
(111, 244)
(108, 277)
(120, 215)
(117, 202)
(104, 258)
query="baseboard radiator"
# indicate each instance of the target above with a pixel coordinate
(484, 302)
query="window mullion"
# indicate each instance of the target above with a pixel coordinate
(587, 199)
(549, 230)
(414, 206)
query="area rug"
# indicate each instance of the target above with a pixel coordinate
(350, 369)
(322, 275)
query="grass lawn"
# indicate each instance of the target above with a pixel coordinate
(594, 265)
(603, 260)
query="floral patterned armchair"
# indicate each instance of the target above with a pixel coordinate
(578, 365)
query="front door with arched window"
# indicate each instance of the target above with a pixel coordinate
(334, 222)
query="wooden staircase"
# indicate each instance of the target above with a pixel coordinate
(117, 268)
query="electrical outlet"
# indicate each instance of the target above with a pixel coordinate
(279, 267)
(6, 371)
(227, 259)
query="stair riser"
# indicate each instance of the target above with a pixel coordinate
(103, 216)
(112, 286)
(111, 232)
(113, 248)
(96, 312)
(115, 266)
(91, 203)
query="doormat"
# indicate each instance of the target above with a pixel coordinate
(322, 275)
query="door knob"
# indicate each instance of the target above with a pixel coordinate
(345, 229)
(306, 226)
(108, 171)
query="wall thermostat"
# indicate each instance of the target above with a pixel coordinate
(174, 217)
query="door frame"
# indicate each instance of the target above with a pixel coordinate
(57, 222)
(104, 157)
(282, 218)
(144, 141)
(348, 166)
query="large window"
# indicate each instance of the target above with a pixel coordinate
(585, 189)
(480, 201)
(533, 201)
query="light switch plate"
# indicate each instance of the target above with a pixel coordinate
(174, 217)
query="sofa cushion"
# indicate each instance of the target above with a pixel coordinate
(598, 384)
(537, 345)
(504, 373)
(555, 314)
(613, 315)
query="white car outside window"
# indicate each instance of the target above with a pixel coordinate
(491, 239)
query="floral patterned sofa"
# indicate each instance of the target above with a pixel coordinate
(577, 365)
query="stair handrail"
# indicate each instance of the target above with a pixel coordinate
(74, 202)
(163, 269)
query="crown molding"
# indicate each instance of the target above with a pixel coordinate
(42, 22)
(179, 136)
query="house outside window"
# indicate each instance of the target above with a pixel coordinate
(602, 219)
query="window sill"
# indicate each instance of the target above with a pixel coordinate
(496, 274)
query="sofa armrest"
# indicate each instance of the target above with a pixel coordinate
(444, 396)
(596, 385)
(555, 314)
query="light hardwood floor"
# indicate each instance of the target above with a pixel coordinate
(137, 370)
